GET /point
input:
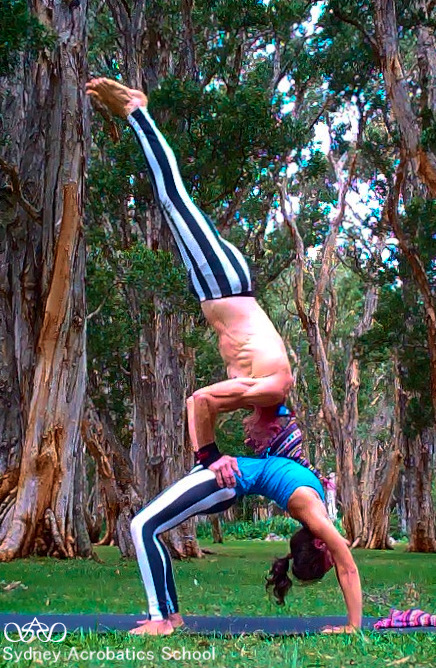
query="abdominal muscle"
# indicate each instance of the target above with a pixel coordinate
(248, 341)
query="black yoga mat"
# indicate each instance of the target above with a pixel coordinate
(279, 626)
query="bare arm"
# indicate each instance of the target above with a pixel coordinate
(229, 395)
(309, 509)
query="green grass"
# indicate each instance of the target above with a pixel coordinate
(229, 582)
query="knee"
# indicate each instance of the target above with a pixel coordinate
(198, 394)
(201, 399)
(139, 525)
(136, 527)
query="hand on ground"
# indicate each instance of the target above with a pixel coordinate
(339, 629)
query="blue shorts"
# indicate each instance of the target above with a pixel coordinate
(277, 478)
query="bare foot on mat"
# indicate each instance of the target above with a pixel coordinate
(154, 628)
(176, 620)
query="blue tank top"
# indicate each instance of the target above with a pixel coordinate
(277, 478)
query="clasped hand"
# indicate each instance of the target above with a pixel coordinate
(225, 468)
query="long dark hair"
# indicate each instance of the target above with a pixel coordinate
(308, 563)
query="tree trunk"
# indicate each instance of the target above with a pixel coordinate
(343, 443)
(11, 426)
(94, 513)
(80, 527)
(121, 500)
(162, 376)
(398, 92)
(377, 530)
(161, 365)
(217, 533)
(42, 295)
(47, 472)
(310, 319)
(419, 474)
(417, 450)
(402, 506)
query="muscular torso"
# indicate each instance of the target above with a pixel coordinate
(248, 341)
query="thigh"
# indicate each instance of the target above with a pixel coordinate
(196, 493)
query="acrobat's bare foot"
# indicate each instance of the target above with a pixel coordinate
(121, 100)
(176, 620)
(154, 628)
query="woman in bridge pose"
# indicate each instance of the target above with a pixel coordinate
(314, 549)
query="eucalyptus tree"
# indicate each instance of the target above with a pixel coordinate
(42, 296)
(398, 38)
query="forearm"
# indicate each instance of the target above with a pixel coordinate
(349, 582)
(201, 421)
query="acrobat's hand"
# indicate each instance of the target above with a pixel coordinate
(225, 468)
(339, 629)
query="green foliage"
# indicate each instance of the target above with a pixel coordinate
(235, 134)
(155, 273)
(231, 143)
(428, 138)
(280, 525)
(399, 330)
(20, 32)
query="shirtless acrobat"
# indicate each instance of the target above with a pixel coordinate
(254, 353)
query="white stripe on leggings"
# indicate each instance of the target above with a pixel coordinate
(153, 508)
(171, 211)
(240, 258)
(186, 260)
(186, 234)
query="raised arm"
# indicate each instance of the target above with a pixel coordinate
(310, 510)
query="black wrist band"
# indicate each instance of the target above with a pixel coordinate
(208, 454)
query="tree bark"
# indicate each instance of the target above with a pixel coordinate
(162, 378)
(161, 365)
(217, 532)
(121, 499)
(42, 327)
(397, 88)
(419, 274)
(377, 530)
(417, 450)
(419, 475)
(46, 478)
(310, 320)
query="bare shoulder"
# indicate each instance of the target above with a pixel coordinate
(306, 500)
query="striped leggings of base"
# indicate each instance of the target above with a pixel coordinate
(197, 493)
(215, 267)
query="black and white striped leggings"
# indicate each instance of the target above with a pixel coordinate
(216, 268)
(197, 493)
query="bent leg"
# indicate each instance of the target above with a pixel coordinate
(194, 494)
